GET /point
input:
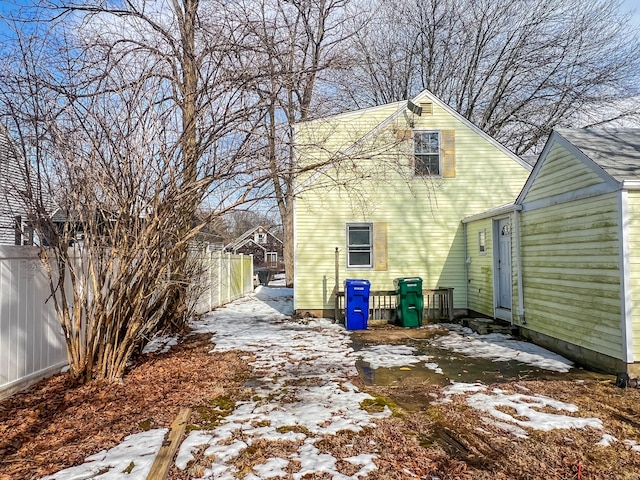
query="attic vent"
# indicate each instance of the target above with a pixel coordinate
(427, 108)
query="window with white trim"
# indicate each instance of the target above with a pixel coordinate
(272, 258)
(482, 242)
(426, 148)
(359, 245)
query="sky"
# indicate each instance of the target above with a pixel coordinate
(301, 373)
(7, 6)
(632, 6)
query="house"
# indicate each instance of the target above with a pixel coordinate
(267, 249)
(14, 226)
(387, 197)
(574, 231)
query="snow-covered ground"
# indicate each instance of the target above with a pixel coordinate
(300, 375)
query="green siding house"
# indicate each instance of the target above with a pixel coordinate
(384, 196)
(574, 237)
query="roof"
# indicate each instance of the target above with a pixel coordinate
(616, 151)
(492, 212)
(248, 235)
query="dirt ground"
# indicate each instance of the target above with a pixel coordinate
(56, 424)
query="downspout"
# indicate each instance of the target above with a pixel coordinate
(521, 317)
(466, 267)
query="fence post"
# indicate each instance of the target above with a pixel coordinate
(219, 276)
(210, 275)
(250, 289)
(241, 292)
(228, 277)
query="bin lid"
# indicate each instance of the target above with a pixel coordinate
(356, 281)
(402, 280)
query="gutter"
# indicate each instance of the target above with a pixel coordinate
(631, 185)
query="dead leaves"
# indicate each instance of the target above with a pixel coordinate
(56, 423)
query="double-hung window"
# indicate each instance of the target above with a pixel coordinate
(427, 153)
(272, 258)
(359, 245)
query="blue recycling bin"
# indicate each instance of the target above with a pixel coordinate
(356, 304)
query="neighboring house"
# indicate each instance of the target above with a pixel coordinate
(266, 248)
(566, 255)
(14, 226)
(397, 180)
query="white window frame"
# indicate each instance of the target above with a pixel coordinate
(418, 154)
(482, 242)
(261, 238)
(271, 257)
(359, 248)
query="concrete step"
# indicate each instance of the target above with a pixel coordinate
(483, 326)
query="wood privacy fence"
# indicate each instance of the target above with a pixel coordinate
(31, 341)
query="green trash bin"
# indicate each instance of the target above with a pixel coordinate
(410, 301)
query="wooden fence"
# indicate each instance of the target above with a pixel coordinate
(31, 341)
(437, 304)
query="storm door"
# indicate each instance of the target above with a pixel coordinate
(502, 265)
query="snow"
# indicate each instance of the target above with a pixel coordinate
(160, 344)
(138, 450)
(499, 348)
(387, 356)
(528, 407)
(302, 393)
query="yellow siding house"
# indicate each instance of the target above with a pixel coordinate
(386, 188)
(574, 234)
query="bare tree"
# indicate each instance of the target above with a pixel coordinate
(515, 69)
(295, 44)
(133, 115)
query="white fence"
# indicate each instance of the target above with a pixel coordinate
(31, 340)
(225, 277)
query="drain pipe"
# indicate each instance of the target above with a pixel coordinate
(521, 317)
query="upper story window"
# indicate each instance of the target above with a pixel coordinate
(359, 245)
(261, 238)
(427, 153)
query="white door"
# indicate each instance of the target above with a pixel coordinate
(503, 266)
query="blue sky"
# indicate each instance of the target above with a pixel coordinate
(6, 6)
(630, 5)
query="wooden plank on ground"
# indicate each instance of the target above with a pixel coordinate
(163, 461)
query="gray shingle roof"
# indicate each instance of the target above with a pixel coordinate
(616, 151)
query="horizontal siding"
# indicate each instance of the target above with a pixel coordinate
(634, 267)
(571, 273)
(480, 269)
(12, 181)
(561, 173)
(425, 236)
